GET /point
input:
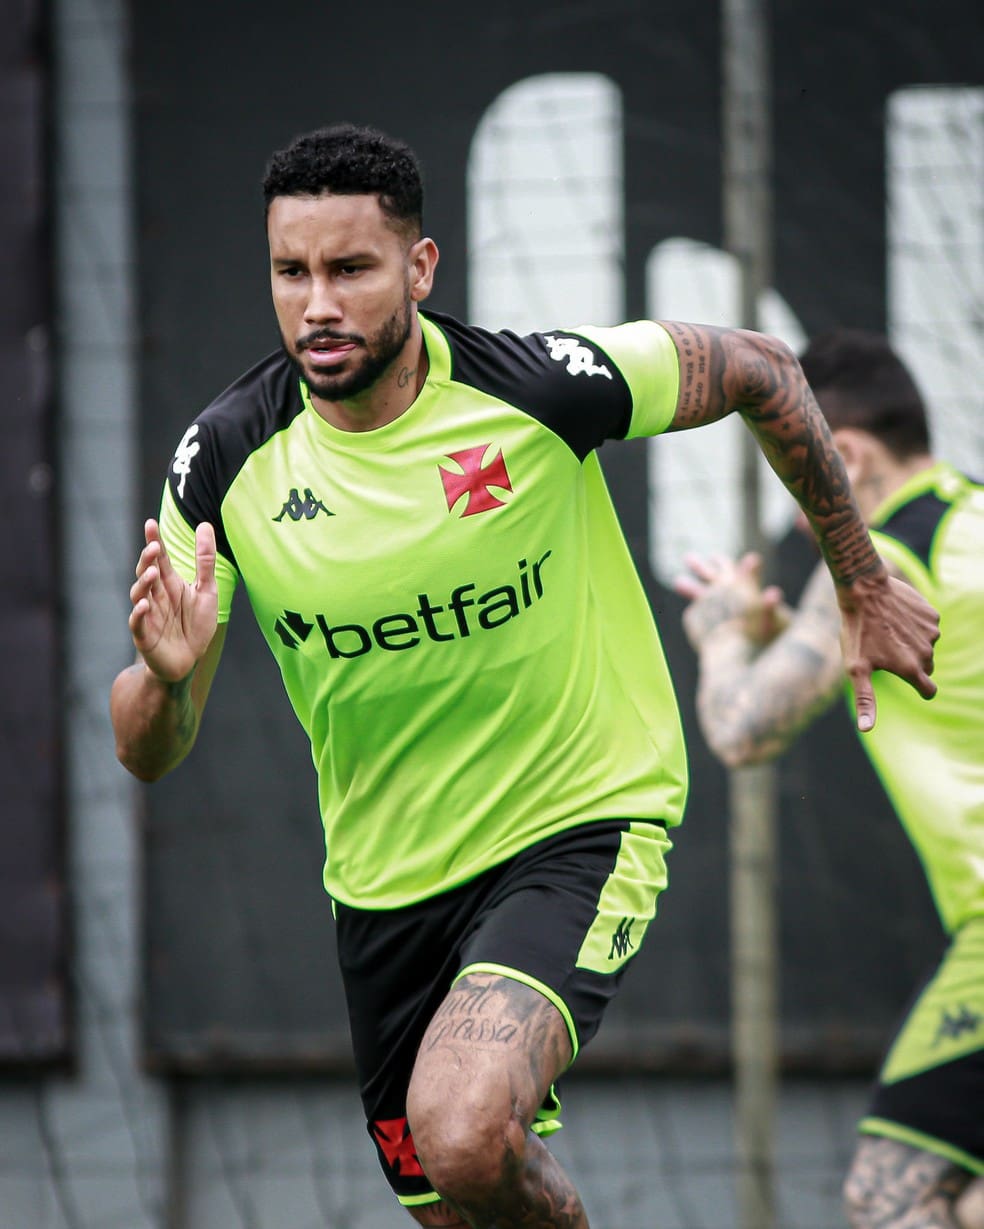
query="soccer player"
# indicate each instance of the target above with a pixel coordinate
(417, 512)
(766, 673)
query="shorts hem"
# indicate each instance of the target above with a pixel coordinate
(918, 1139)
(502, 970)
(416, 1201)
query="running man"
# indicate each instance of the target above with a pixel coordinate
(922, 1139)
(417, 512)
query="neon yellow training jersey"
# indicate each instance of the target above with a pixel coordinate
(455, 613)
(930, 756)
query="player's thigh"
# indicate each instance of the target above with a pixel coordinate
(491, 1053)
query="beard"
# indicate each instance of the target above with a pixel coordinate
(379, 351)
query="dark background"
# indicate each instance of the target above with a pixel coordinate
(240, 970)
(34, 925)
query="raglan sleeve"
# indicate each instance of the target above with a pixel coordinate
(647, 360)
(191, 497)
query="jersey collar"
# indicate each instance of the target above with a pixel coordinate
(941, 476)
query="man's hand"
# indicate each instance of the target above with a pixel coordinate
(886, 625)
(172, 623)
(723, 591)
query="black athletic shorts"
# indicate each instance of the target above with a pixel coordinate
(930, 1091)
(565, 916)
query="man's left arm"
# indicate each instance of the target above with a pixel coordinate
(885, 623)
(765, 672)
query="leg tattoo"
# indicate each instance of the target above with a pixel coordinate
(894, 1186)
(485, 1064)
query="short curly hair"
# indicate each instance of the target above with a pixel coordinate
(350, 160)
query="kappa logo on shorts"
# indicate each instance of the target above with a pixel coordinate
(396, 1144)
(475, 480)
(622, 939)
(952, 1027)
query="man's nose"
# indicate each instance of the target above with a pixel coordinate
(323, 303)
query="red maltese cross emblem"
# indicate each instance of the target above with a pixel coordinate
(475, 480)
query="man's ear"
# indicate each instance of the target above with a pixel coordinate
(855, 449)
(423, 261)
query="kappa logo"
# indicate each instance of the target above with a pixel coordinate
(396, 1144)
(184, 454)
(296, 508)
(953, 1026)
(580, 360)
(475, 480)
(622, 939)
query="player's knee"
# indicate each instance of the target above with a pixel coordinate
(467, 1152)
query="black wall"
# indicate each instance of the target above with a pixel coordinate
(239, 959)
(34, 932)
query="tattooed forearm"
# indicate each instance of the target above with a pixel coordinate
(747, 718)
(779, 408)
(155, 722)
(185, 716)
(726, 370)
(715, 608)
(752, 705)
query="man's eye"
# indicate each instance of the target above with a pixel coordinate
(350, 270)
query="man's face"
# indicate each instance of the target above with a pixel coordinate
(343, 282)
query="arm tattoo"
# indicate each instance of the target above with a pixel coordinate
(753, 706)
(186, 718)
(719, 606)
(723, 370)
(182, 719)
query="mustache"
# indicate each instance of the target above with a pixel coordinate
(312, 339)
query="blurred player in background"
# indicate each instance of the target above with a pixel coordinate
(418, 515)
(766, 673)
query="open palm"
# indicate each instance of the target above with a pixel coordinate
(172, 622)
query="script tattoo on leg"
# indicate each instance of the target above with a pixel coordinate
(472, 1012)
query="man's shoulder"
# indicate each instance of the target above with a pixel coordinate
(240, 420)
(478, 352)
(560, 377)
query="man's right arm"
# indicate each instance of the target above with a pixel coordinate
(156, 704)
(754, 701)
(156, 721)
